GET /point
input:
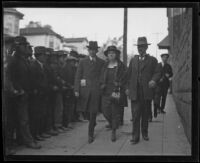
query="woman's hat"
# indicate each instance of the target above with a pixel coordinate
(142, 41)
(93, 45)
(165, 54)
(73, 55)
(112, 48)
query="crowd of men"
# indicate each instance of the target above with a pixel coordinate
(46, 90)
(38, 90)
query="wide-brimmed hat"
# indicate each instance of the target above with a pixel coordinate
(142, 41)
(20, 40)
(93, 45)
(112, 48)
(61, 53)
(164, 54)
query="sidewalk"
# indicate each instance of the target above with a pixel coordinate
(166, 138)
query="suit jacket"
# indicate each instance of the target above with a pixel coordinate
(149, 71)
(90, 71)
(166, 69)
(19, 73)
(118, 81)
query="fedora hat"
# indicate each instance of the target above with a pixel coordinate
(112, 48)
(73, 55)
(93, 45)
(39, 50)
(20, 40)
(142, 41)
(164, 54)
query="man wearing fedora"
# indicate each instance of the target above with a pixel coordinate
(87, 82)
(142, 75)
(163, 85)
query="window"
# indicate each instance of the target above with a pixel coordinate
(51, 42)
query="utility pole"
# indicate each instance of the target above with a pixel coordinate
(125, 36)
(157, 38)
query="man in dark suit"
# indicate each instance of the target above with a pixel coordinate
(19, 73)
(87, 82)
(163, 85)
(141, 76)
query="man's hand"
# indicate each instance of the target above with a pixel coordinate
(127, 92)
(152, 84)
(83, 83)
(76, 94)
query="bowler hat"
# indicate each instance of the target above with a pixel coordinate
(39, 50)
(93, 45)
(112, 48)
(20, 40)
(165, 54)
(142, 41)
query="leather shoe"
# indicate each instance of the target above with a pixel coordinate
(45, 136)
(146, 138)
(38, 138)
(33, 146)
(90, 139)
(113, 136)
(134, 141)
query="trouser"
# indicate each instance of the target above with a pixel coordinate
(150, 110)
(23, 119)
(68, 112)
(38, 114)
(10, 123)
(111, 111)
(58, 114)
(140, 114)
(121, 114)
(160, 98)
(50, 111)
(92, 123)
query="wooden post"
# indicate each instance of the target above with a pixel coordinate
(125, 37)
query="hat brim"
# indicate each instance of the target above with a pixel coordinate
(91, 47)
(117, 52)
(142, 44)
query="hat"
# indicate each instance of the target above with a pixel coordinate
(20, 40)
(73, 55)
(61, 53)
(112, 48)
(40, 50)
(142, 41)
(49, 51)
(93, 45)
(165, 54)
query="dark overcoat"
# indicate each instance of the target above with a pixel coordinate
(118, 81)
(149, 71)
(89, 98)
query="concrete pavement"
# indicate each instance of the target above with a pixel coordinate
(166, 138)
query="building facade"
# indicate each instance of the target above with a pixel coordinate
(180, 50)
(42, 36)
(11, 19)
(77, 44)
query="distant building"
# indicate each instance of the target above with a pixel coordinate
(77, 44)
(11, 18)
(42, 36)
(179, 44)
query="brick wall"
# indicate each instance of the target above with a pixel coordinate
(181, 57)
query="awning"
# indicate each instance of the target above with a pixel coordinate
(164, 44)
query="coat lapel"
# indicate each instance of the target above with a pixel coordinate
(145, 62)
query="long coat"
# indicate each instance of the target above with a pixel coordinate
(89, 98)
(118, 81)
(149, 71)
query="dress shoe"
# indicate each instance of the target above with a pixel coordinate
(108, 126)
(146, 138)
(52, 133)
(163, 112)
(90, 139)
(38, 138)
(45, 136)
(63, 128)
(33, 146)
(134, 141)
(113, 136)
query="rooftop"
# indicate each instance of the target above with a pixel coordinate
(38, 31)
(80, 39)
(13, 11)
(164, 44)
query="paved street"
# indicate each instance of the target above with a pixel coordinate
(166, 138)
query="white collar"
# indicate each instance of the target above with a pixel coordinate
(40, 63)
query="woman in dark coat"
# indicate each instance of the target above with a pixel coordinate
(113, 93)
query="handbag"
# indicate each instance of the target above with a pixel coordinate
(115, 96)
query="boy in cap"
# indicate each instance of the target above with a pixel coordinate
(163, 85)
